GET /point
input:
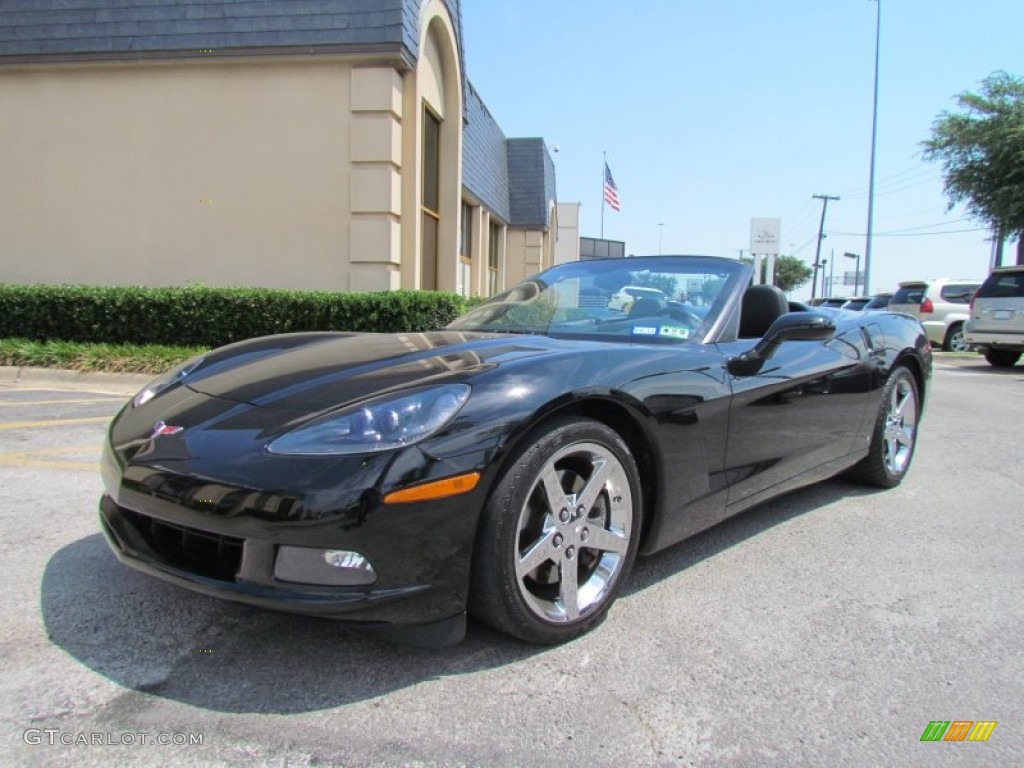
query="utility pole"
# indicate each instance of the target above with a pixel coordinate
(821, 236)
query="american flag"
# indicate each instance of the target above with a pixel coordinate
(611, 192)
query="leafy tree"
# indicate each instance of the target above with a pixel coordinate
(981, 150)
(790, 272)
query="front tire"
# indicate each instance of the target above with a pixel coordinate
(895, 433)
(1002, 358)
(558, 534)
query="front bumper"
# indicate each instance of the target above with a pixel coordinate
(216, 524)
(227, 566)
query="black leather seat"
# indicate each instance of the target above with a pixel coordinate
(762, 306)
(646, 306)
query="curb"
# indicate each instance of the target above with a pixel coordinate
(52, 378)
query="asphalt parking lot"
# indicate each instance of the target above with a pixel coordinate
(825, 628)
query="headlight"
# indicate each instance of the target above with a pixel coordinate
(170, 378)
(388, 422)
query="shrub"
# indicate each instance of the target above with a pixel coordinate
(210, 317)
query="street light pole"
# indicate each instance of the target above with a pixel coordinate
(874, 140)
(824, 277)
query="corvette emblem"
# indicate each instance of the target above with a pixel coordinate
(160, 428)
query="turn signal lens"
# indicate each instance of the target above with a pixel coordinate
(439, 489)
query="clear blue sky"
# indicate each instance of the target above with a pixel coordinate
(714, 111)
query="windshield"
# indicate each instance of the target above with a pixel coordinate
(649, 299)
(1002, 285)
(879, 302)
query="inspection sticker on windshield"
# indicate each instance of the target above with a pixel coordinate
(645, 330)
(674, 330)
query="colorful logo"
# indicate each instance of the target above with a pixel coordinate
(160, 428)
(958, 730)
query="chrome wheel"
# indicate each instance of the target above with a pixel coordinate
(893, 435)
(900, 426)
(573, 533)
(558, 534)
(956, 341)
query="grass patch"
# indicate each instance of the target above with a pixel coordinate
(109, 358)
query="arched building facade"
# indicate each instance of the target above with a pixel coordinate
(255, 143)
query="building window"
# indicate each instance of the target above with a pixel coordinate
(431, 199)
(465, 251)
(493, 256)
(466, 235)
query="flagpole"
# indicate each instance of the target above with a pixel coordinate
(604, 155)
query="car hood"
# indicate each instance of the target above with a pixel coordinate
(308, 373)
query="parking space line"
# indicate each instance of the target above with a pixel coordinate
(54, 422)
(79, 390)
(14, 461)
(41, 458)
(76, 401)
(81, 448)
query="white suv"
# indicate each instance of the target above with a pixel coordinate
(942, 306)
(625, 297)
(996, 326)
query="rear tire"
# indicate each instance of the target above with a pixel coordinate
(1002, 358)
(558, 534)
(894, 435)
(955, 341)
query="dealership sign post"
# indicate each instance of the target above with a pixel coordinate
(764, 241)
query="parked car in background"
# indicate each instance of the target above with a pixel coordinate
(996, 325)
(857, 303)
(623, 299)
(829, 302)
(942, 306)
(878, 302)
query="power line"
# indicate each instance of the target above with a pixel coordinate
(801, 248)
(888, 190)
(912, 234)
(796, 220)
(905, 229)
(925, 226)
(896, 178)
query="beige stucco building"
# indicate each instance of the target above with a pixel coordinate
(262, 144)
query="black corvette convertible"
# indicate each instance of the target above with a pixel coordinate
(513, 464)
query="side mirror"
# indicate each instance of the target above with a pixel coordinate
(794, 326)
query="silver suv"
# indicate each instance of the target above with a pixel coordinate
(942, 306)
(996, 326)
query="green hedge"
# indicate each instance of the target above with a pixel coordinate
(210, 317)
